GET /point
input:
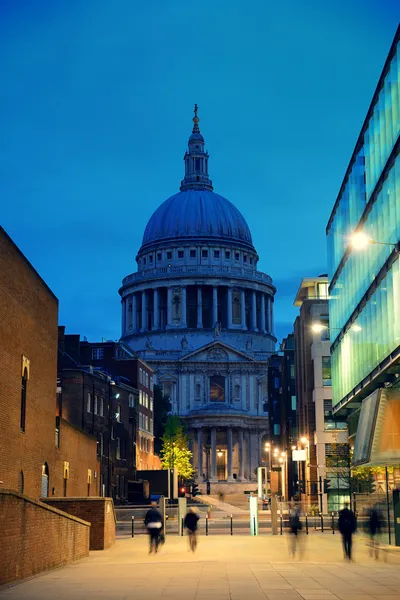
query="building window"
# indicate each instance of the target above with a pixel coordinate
(237, 256)
(292, 372)
(236, 307)
(227, 255)
(237, 392)
(180, 254)
(151, 404)
(89, 402)
(118, 413)
(140, 375)
(131, 401)
(193, 254)
(144, 261)
(250, 260)
(326, 371)
(118, 451)
(140, 397)
(204, 253)
(159, 256)
(217, 388)
(24, 385)
(95, 405)
(169, 255)
(150, 258)
(293, 402)
(151, 426)
(45, 480)
(112, 433)
(198, 391)
(147, 379)
(244, 258)
(57, 441)
(100, 444)
(101, 407)
(21, 482)
(151, 384)
(97, 353)
(216, 253)
(277, 429)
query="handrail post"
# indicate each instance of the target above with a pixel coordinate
(133, 526)
(306, 524)
(231, 525)
(322, 522)
(333, 523)
(206, 524)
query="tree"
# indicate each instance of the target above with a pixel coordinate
(175, 452)
(162, 407)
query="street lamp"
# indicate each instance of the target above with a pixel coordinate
(360, 240)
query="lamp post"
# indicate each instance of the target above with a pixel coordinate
(360, 240)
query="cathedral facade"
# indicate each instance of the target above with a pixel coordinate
(199, 312)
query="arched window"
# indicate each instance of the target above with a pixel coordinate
(45, 480)
(217, 388)
(24, 385)
(237, 392)
(21, 482)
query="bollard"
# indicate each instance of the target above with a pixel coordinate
(306, 524)
(333, 523)
(322, 522)
(254, 526)
(133, 526)
(206, 524)
(182, 528)
(231, 525)
(281, 523)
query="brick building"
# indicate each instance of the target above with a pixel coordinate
(41, 453)
(119, 362)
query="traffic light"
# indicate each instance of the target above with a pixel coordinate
(301, 486)
(182, 491)
(195, 490)
(327, 483)
(314, 487)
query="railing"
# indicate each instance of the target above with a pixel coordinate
(161, 272)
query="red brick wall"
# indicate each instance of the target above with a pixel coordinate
(29, 328)
(35, 537)
(80, 451)
(99, 512)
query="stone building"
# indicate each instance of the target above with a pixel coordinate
(201, 315)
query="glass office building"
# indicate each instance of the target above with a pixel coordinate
(364, 305)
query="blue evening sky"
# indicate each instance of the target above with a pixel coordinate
(95, 111)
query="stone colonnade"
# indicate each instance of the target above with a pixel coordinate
(141, 310)
(207, 448)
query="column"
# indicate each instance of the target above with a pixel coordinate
(243, 309)
(199, 307)
(156, 313)
(248, 445)
(253, 311)
(144, 311)
(263, 312)
(183, 308)
(134, 314)
(241, 455)
(200, 454)
(229, 307)
(272, 314)
(213, 454)
(267, 314)
(122, 316)
(169, 307)
(215, 306)
(126, 313)
(230, 448)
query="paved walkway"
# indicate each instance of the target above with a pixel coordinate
(224, 507)
(223, 568)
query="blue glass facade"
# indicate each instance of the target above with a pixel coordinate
(364, 303)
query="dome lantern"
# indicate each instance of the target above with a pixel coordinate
(196, 160)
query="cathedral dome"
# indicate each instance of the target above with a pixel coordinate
(197, 213)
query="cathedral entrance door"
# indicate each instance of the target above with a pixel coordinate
(221, 465)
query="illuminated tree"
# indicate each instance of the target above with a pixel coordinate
(175, 452)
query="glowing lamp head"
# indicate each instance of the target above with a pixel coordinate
(304, 440)
(318, 327)
(359, 240)
(356, 328)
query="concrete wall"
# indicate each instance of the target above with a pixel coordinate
(98, 511)
(35, 537)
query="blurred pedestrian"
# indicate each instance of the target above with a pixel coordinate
(374, 524)
(190, 522)
(294, 528)
(154, 523)
(347, 526)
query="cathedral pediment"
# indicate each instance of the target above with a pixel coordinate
(217, 352)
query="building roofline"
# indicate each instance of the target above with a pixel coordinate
(19, 251)
(360, 139)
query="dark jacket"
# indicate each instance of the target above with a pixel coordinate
(190, 521)
(347, 521)
(374, 522)
(152, 517)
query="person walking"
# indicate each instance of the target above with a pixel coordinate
(294, 528)
(190, 522)
(154, 523)
(374, 529)
(347, 526)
